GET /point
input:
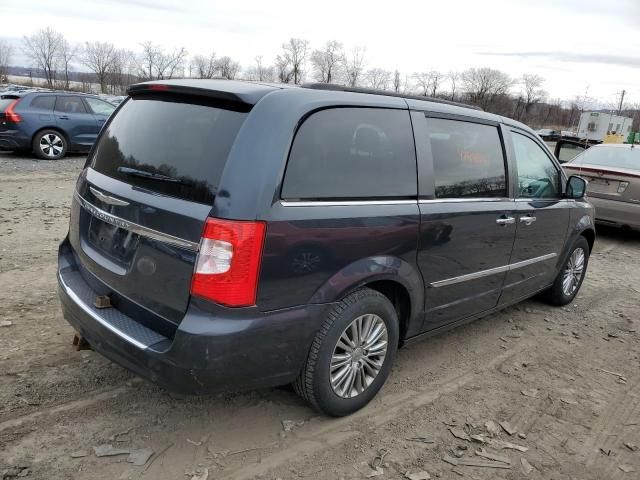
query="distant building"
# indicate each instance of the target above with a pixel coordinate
(595, 126)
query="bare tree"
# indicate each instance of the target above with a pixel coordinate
(66, 54)
(148, 60)
(295, 51)
(260, 72)
(43, 49)
(453, 77)
(397, 82)
(533, 93)
(122, 71)
(328, 62)
(156, 64)
(483, 85)
(423, 82)
(227, 68)
(205, 67)
(284, 68)
(378, 78)
(171, 64)
(354, 66)
(6, 51)
(435, 78)
(99, 58)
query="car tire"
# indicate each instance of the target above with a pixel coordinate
(366, 319)
(571, 275)
(49, 145)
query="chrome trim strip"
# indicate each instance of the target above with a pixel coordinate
(343, 203)
(134, 227)
(466, 200)
(89, 311)
(491, 271)
(107, 198)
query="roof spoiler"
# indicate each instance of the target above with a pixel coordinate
(215, 95)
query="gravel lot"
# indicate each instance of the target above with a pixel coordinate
(566, 381)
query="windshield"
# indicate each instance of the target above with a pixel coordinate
(618, 157)
(155, 139)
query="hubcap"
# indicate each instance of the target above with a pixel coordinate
(358, 356)
(51, 144)
(573, 272)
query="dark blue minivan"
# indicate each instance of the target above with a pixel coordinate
(234, 235)
(51, 123)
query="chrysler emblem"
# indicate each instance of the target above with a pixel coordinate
(108, 199)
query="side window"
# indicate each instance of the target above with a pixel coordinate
(356, 153)
(70, 105)
(44, 102)
(538, 177)
(468, 160)
(100, 107)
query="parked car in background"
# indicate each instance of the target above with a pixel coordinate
(238, 235)
(613, 173)
(51, 123)
(549, 134)
(113, 99)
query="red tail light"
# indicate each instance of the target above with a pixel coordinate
(10, 115)
(228, 264)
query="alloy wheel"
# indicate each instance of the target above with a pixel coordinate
(573, 272)
(51, 145)
(358, 356)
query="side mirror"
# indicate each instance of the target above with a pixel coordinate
(567, 150)
(576, 187)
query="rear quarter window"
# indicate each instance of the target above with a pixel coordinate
(357, 153)
(43, 102)
(187, 143)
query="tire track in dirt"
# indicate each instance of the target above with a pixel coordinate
(377, 415)
(607, 430)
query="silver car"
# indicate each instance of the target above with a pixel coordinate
(613, 173)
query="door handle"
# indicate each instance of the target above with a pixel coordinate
(504, 221)
(527, 219)
(63, 117)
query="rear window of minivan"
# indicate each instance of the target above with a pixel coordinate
(168, 145)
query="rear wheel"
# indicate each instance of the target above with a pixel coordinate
(352, 354)
(50, 145)
(571, 275)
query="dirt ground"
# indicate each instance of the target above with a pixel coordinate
(565, 380)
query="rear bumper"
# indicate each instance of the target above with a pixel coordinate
(14, 140)
(231, 349)
(613, 212)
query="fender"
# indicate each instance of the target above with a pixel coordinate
(582, 224)
(371, 269)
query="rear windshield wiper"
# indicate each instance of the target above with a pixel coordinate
(144, 174)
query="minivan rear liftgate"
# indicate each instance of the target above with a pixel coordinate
(140, 208)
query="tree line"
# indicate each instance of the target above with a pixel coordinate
(112, 69)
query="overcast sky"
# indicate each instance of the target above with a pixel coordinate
(574, 44)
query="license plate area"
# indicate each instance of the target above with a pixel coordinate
(602, 185)
(117, 244)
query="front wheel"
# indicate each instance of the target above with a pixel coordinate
(50, 145)
(571, 275)
(352, 354)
